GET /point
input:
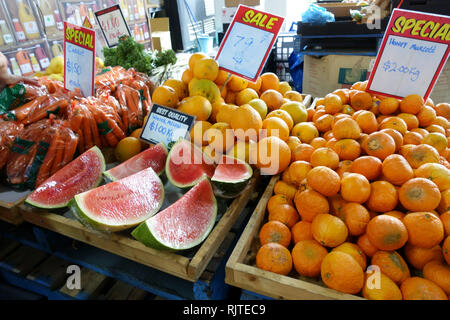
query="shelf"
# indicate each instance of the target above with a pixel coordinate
(23, 45)
(139, 21)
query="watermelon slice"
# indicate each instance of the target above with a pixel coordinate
(184, 224)
(153, 157)
(80, 175)
(231, 177)
(121, 204)
(186, 164)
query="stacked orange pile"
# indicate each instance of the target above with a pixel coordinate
(368, 189)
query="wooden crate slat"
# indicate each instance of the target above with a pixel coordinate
(11, 215)
(92, 284)
(23, 260)
(51, 273)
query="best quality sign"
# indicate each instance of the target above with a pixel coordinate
(414, 51)
(248, 42)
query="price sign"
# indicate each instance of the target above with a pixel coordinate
(113, 24)
(248, 41)
(79, 58)
(166, 125)
(413, 53)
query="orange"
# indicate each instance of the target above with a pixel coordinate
(283, 115)
(225, 113)
(411, 120)
(343, 94)
(329, 230)
(293, 96)
(237, 83)
(353, 250)
(341, 272)
(197, 106)
(245, 96)
(307, 256)
(426, 116)
(275, 231)
(277, 199)
(386, 289)
(230, 97)
(361, 100)
(387, 233)
(395, 123)
(412, 104)
(297, 111)
(346, 128)
(310, 203)
(273, 155)
(285, 214)
(284, 87)
(333, 103)
(275, 127)
(325, 157)
(425, 230)
(416, 288)
(198, 132)
(216, 106)
(272, 98)
(324, 180)
(391, 264)
(324, 123)
(288, 189)
(439, 273)
(355, 188)
(366, 246)
(302, 152)
(260, 106)
(137, 134)
(301, 231)
(269, 81)
(187, 76)
(255, 86)
(179, 86)
(388, 106)
(165, 96)
(126, 148)
(275, 258)
(318, 142)
(305, 131)
(194, 58)
(436, 140)
(246, 122)
(221, 78)
(419, 257)
(435, 172)
(293, 142)
(356, 218)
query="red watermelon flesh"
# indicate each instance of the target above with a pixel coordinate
(121, 204)
(184, 224)
(153, 157)
(186, 164)
(81, 174)
(230, 169)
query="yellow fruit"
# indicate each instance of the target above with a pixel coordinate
(165, 96)
(206, 68)
(216, 106)
(225, 113)
(294, 96)
(284, 115)
(220, 136)
(242, 150)
(187, 76)
(179, 86)
(221, 78)
(195, 58)
(56, 65)
(246, 123)
(137, 134)
(197, 106)
(284, 87)
(297, 111)
(237, 84)
(126, 148)
(245, 96)
(274, 126)
(198, 135)
(305, 131)
(205, 88)
(260, 106)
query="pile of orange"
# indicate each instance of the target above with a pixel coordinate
(366, 197)
(250, 121)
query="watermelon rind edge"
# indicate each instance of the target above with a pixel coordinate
(87, 220)
(65, 204)
(167, 171)
(144, 234)
(110, 178)
(231, 189)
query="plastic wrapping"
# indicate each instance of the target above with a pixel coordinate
(9, 130)
(317, 15)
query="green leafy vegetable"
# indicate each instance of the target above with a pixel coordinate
(131, 54)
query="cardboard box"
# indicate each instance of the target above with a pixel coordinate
(236, 3)
(328, 73)
(160, 34)
(228, 13)
(340, 10)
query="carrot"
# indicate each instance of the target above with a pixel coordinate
(23, 111)
(94, 129)
(47, 163)
(71, 141)
(81, 146)
(43, 112)
(59, 155)
(86, 129)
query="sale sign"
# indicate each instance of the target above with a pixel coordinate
(79, 58)
(414, 51)
(248, 42)
(113, 24)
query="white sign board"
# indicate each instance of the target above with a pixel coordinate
(113, 24)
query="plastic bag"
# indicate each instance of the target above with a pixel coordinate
(296, 69)
(317, 15)
(12, 97)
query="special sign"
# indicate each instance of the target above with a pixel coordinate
(248, 41)
(414, 51)
(79, 58)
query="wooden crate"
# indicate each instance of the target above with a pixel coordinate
(122, 244)
(9, 202)
(241, 273)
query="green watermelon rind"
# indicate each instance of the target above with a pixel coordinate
(231, 189)
(167, 171)
(94, 185)
(111, 178)
(83, 215)
(143, 233)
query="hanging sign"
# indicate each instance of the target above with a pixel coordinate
(113, 24)
(166, 125)
(414, 51)
(79, 58)
(248, 42)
